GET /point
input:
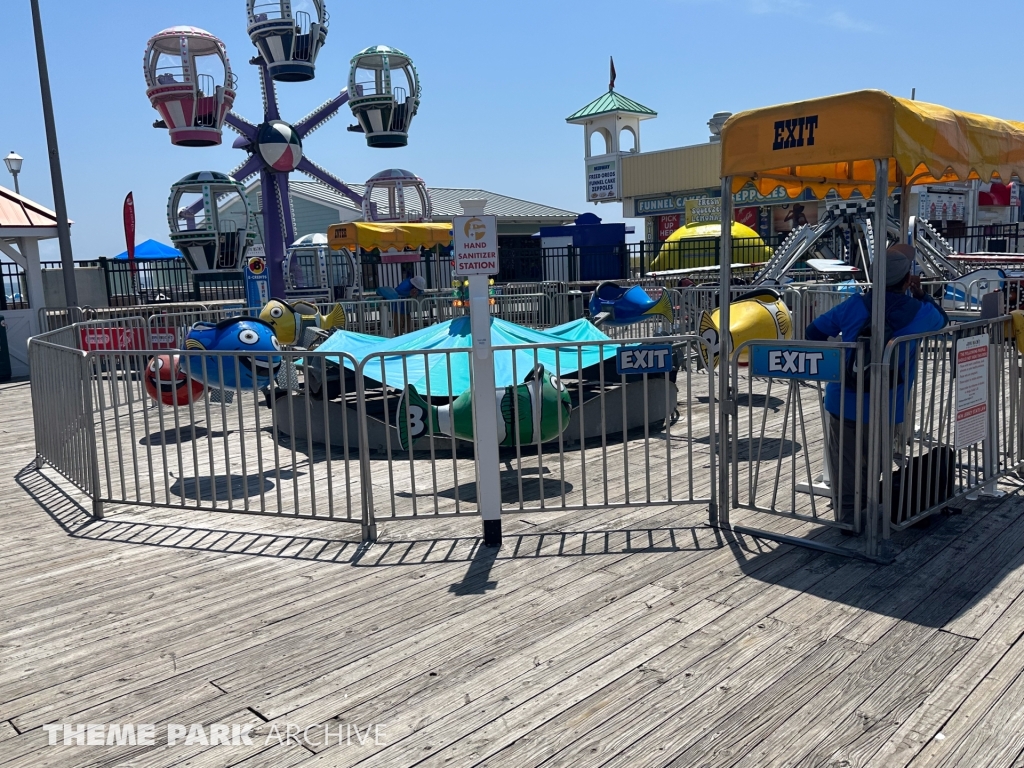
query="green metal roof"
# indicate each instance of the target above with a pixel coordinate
(610, 102)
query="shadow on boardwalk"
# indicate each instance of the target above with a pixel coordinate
(939, 574)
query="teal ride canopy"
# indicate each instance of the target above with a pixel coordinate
(429, 373)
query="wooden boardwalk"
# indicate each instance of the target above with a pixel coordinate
(630, 637)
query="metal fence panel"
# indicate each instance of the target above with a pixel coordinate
(62, 409)
(285, 451)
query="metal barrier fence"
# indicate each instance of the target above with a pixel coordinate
(780, 442)
(949, 429)
(626, 441)
(942, 448)
(62, 410)
(350, 440)
(339, 444)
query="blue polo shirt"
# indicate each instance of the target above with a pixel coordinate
(904, 315)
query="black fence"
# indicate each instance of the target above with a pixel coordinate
(575, 264)
(170, 280)
(15, 289)
(166, 280)
(984, 238)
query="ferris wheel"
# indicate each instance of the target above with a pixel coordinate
(191, 85)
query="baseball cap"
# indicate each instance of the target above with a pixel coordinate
(418, 283)
(898, 259)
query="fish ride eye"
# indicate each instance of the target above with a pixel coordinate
(276, 343)
(248, 337)
(277, 313)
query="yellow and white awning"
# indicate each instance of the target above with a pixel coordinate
(832, 143)
(373, 235)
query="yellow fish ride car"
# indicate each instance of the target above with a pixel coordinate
(759, 314)
(290, 321)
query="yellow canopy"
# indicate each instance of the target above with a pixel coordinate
(679, 257)
(372, 235)
(832, 143)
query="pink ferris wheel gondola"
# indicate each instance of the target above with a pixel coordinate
(190, 84)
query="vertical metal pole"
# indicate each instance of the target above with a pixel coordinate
(56, 178)
(274, 211)
(905, 233)
(485, 404)
(721, 512)
(877, 452)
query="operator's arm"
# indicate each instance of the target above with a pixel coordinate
(926, 298)
(823, 327)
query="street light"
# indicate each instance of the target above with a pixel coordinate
(13, 162)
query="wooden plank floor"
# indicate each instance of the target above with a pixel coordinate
(625, 637)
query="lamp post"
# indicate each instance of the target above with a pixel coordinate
(13, 162)
(59, 205)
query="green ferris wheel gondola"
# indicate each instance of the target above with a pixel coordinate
(535, 411)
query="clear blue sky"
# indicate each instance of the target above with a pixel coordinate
(498, 78)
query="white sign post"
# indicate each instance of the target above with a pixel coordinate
(475, 242)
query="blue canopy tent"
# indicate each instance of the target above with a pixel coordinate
(419, 370)
(151, 250)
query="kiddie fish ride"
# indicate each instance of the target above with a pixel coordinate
(426, 375)
(613, 304)
(759, 314)
(234, 334)
(168, 382)
(291, 321)
(535, 411)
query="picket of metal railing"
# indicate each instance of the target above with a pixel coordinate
(783, 440)
(62, 409)
(617, 441)
(51, 318)
(339, 444)
(54, 318)
(223, 449)
(807, 302)
(943, 449)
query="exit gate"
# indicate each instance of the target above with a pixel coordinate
(778, 442)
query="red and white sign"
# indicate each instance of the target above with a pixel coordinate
(115, 339)
(971, 391)
(667, 224)
(475, 242)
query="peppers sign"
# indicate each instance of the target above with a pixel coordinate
(475, 245)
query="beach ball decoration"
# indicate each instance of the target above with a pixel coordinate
(279, 146)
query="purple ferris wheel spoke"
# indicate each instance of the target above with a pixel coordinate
(324, 176)
(248, 169)
(321, 115)
(241, 125)
(270, 108)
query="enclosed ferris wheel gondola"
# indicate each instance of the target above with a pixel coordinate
(397, 195)
(289, 34)
(384, 95)
(212, 235)
(190, 83)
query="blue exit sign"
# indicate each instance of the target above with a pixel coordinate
(783, 362)
(652, 358)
